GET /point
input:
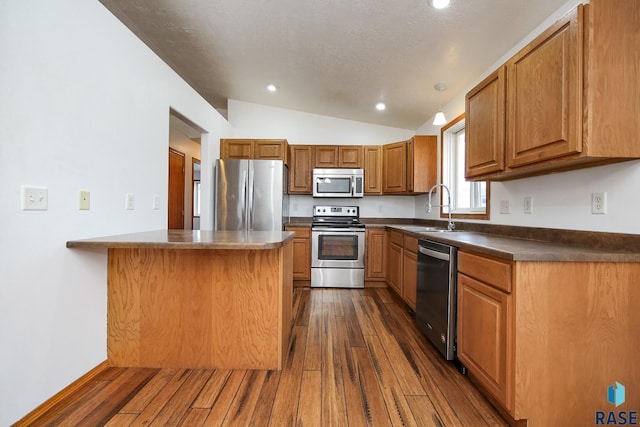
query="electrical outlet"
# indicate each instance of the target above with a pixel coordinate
(84, 200)
(528, 205)
(130, 202)
(505, 207)
(599, 203)
(155, 203)
(35, 198)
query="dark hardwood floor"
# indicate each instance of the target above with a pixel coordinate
(355, 358)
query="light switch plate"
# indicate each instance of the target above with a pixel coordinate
(35, 198)
(130, 201)
(528, 205)
(84, 201)
(505, 207)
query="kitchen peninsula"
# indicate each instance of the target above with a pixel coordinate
(197, 299)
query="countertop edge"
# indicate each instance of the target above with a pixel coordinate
(109, 243)
(535, 252)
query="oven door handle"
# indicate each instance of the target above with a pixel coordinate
(434, 254)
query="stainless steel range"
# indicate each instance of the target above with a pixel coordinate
(337, 251)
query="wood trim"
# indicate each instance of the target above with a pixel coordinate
(486, 215)
(72, 388)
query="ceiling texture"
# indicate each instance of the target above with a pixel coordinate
(332, 57)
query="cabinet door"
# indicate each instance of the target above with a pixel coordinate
(376, 259)
(394, 261)
(301, 252)
(485, 126)
(236, 148)
(394, 167)
(544, 95)
(270, 149)
(326, 156)
(485, 325)
(372, 169)
(300, 169)
(350, 156)
(410, 277)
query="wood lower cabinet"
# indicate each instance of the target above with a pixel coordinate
(301, 169)
(544, 340)
(402, 266)
(259, 149)
(410, 270)
(485, 325)
(562, 110)
(394, 261)
(409, 167)
(372, 169)
(375, 255)
(301, 254)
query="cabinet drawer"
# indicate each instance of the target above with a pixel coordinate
(396, 237)
(492, 272)
(410, 244)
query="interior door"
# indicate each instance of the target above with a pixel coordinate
(176, 190)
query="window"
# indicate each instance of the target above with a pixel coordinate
(469, 199)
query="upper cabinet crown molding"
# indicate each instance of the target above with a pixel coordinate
(571, 99)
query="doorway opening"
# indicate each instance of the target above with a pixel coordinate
(183, 202)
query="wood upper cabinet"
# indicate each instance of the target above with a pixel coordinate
(236, 148)
(410, 270)
(262, 149)
(376, 254)
(563, 109)
(300, 169)
(372, 169)
(544, 93)
(326, 156)
(485, 126)
(270, 149)
(394, 167)
(350, 156)
(338, 156)
(409, 167)
(301, 252)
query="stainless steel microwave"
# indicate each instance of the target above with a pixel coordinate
(338, 183)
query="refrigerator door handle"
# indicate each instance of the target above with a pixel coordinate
(250, 199)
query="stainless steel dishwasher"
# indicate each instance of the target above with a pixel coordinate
(436, 295)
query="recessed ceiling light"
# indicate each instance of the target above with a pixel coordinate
(380, 106)
(272, 88)
(440, 4)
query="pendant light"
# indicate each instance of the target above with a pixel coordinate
(439, 119)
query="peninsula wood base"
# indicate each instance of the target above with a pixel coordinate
(199, 308)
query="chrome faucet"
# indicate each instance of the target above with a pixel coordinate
(450, 226)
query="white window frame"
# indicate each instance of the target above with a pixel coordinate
(452, 171)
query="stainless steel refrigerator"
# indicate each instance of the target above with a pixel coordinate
(250, 195)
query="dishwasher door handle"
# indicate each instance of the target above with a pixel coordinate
(434, 254)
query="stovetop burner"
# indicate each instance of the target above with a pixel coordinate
(336, 216)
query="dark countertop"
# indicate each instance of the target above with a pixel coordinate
(517, 249)
(188, 239)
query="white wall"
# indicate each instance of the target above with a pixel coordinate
(84, 105)
(560, 200)
(259, 121)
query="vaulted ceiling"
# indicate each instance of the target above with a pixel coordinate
(332, 57)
